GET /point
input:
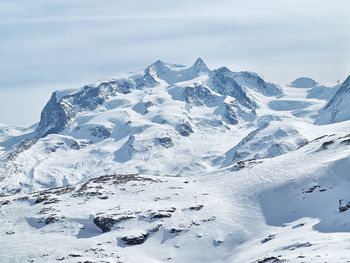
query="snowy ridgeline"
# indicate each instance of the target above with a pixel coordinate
(180, 164)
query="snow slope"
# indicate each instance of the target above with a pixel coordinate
(177, 164)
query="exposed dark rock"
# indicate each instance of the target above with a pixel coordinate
(325, 145)
(343, 206)
(224, 83)
(41, 199)
(105, 223)
(199, 95)
(100, 132)
(50, 219)
(298, 225)
(171, 210)
(166, 142)
(23, 198)
(175, 230)
(321, 137)
(154, 229)
(93, 186)
(159, 215)
(184, 129)
(135, 240)
(46, 199)
(268, 238)
(197, 207)
(297, 245)
(209, 219)
(270, 260)
(59, 111)
(230, 115)
(246, 163)
(7, 202)
(311, 189)
(56, 191)
(346, 142)
(46, 210)
(149, 78)
(55, 116)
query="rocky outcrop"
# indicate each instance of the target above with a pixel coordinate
(200, 95)
(106, 222)
(166, 142)
(135, 239)
(184, 129)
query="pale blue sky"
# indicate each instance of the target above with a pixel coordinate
(58, 44)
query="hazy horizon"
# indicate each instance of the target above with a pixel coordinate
(62, 44)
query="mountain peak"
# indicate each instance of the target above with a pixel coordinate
(200, 66)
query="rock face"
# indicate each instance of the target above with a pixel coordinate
(55, 116)
(199, 95)
(59, 111)
(337, 109)
(184, 129)
(223, 82)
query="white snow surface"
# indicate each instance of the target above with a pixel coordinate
(164, 166)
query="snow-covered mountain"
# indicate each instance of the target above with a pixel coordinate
(138, 123)
(303, 83)
(178, 164)
(337, 109)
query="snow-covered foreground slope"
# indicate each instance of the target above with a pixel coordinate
(285, 207)
(177, 164)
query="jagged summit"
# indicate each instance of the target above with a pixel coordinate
(173, 73)
(200, 66)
